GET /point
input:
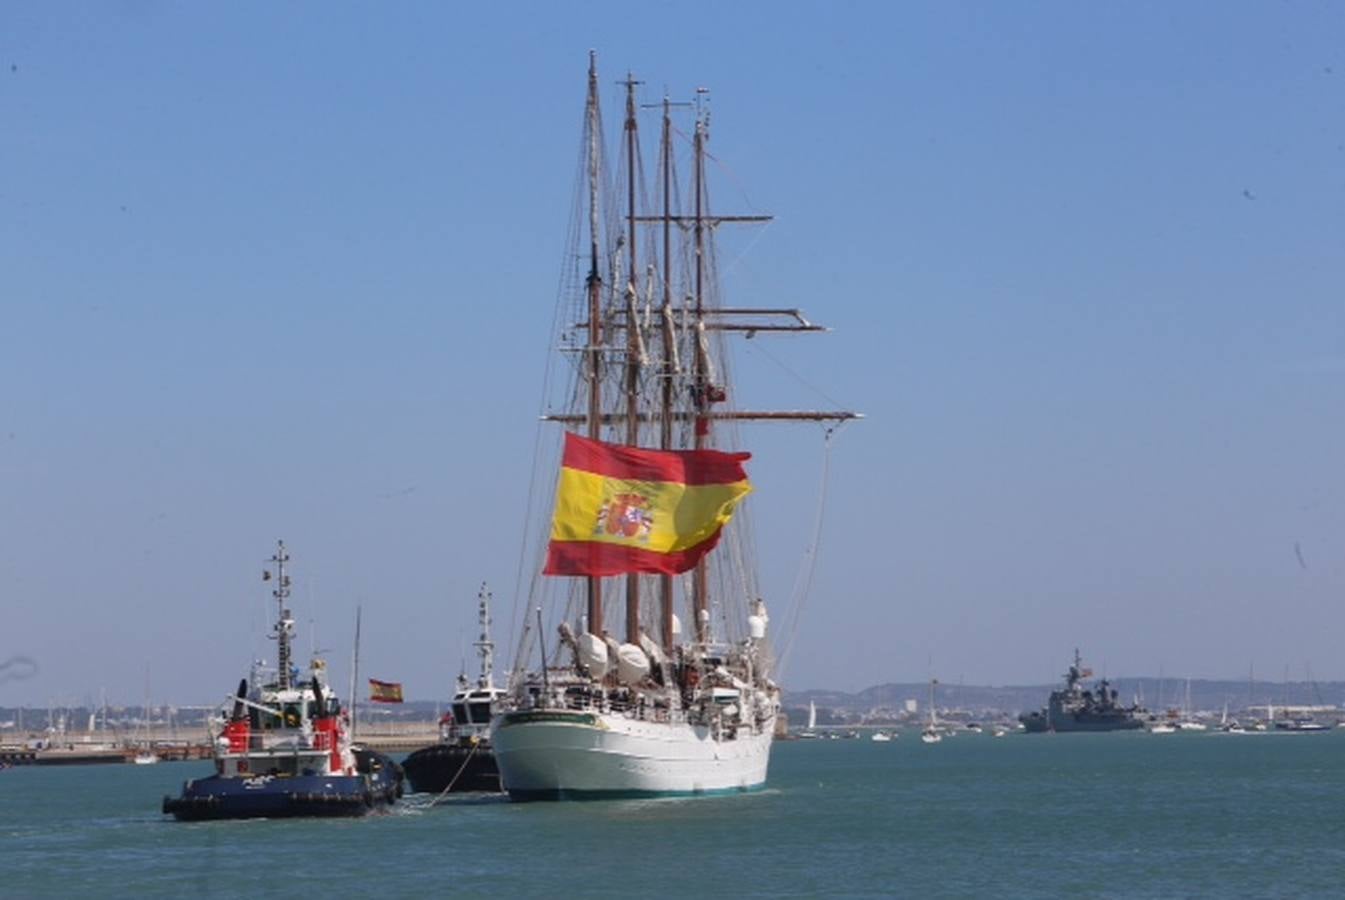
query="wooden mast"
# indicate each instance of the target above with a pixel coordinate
(632, 343)
(666, 422)
(700, 589)
(594, 310)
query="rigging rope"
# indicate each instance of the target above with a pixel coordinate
(454, 780)
(803, 581)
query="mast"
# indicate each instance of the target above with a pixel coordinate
(700, 583)
(632, 343)
(355, 675)
(665, 422)
(284, 627)
(594, 309)
(485, 646)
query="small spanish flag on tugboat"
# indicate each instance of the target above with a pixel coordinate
(628, 509)
(385, 691)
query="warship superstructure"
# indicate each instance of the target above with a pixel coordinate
(1078, 708)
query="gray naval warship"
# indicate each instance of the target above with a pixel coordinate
(1077, 708)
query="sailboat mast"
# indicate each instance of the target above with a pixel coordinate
(700, 596)
(594, 310)
(355, 676)
(632, 342)
(665, 423)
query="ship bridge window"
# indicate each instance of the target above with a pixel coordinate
(293, 714)
(480, 713)
(460, 713)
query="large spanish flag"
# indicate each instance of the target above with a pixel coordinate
(626, 509)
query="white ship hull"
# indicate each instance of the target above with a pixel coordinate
(562, 754)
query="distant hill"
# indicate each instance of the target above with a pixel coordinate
(1208, 695)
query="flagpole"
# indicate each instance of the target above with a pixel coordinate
(355, 676)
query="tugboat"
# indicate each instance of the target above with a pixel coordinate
(1079, 709)
(463, 759)
(283, 749)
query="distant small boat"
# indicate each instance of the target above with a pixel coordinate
(881, 737)
(931, 733)
(1162, 728)
(146, 758)
(811, 730)
(999, 732)
(1302, 724)
(1230, 726)
(1188, 721)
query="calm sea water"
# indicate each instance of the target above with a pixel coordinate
(1117, 815)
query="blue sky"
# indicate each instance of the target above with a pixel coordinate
(289, 272)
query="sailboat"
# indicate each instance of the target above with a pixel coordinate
(1188, 721)
(931, 734)
(1230, 726)
(646, 521)
(811, 730)
(144, 744)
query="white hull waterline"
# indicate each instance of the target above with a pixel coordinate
(559, 754)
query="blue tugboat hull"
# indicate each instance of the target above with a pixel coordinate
(278, 797)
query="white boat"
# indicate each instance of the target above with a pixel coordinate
(643, 709)
(1162, 728)
(1188, 721)
(142, 739)
(811, 731)
(931, 734)
(1230, 726)
(881, 737)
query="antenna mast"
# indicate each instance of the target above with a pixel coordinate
(485, 646)
(284, 627)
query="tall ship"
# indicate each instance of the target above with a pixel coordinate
(621, 698)
(1078, 708)
(282, 748)
(463, 760)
